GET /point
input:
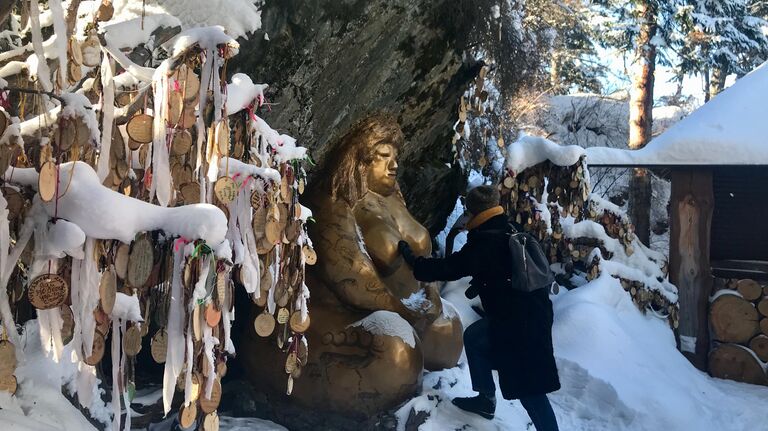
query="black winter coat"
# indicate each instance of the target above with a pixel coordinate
(520, 323)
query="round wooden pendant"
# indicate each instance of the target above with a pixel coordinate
(139, 128)
(68, 326)
(282, 296)
(260, 300)
(257, 199)
(264, 324)
(7, 358)
(159, 346)
(282, 316)
(259, 223)
(75, 52)
(225, 189)
(191, 83)
(187, 415)
(195, 389)
(197, 328)
(140, 262)
(188, 116)
(310, 256)
(105, 11)
(222, 137)
(74, 72)
(190, 192)
(108, 290)
(121, 260)
(272, 231)
(182, 143)
(286, 192)
(298, 325)
(48, 291)
(175, 108)
(134, 145)
(212, 315)
(209, 405)
(291, 363)
(221, 369)
(4, 121)
(8, 384)
(46, 183)
(132, 341)
(98, 350)
(211, 422)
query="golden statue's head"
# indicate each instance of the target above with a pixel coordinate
(365, 158)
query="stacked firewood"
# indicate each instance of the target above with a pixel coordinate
(545, 197)
(738, 317)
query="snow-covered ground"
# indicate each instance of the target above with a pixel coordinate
(619, 370)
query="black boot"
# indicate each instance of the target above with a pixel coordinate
(480, 405)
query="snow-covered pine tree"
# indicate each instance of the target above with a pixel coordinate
(721, 37)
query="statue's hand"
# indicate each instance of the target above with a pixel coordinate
(405, 250)
(436, 304)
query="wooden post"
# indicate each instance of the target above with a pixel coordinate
(691, 206)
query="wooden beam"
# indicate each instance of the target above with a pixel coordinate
(691, 206)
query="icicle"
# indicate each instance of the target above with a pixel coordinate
(43, 73)
(175, 351)
(117, 411)
(108, 114)
(60, 28)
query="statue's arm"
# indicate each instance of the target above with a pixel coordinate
(346, 266)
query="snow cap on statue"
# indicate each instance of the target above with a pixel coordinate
(482, 198)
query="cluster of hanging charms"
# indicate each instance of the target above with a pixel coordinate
(159, 296)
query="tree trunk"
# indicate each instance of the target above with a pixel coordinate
(641, 118)
(730, 361)
(717, 82)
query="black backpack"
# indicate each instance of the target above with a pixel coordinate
(529, 266)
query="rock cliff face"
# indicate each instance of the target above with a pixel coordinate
(333, 62)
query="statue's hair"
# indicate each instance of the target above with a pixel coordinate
(347, 168)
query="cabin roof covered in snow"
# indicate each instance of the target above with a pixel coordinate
(731, 129)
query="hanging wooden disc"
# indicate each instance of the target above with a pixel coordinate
(310, 257)
(48, 291)
(257, 199)
(197, 379)
(98, 350)
(108, 290)
(264, 324)
(189, 82)
(182, 143)
(121, 260)
(105, 11)
(190, 192)
(282, 316)
(175, 108)
(46, 183)
(7, 358)
(212, 315)
(68, 325)
(221, 369)
(291, 363)
(187, 415)
(225, 189)
(4, 121)
(222, 137)
(209, 405)
(197, 328)
(15, 202)
(159, 346)
(135, 145)
(140, 262)
(9, 384)
(282, 296)
(259, 223)
(74, 73)
(188, 116)
(286, 191)
(272, 231)
(75, 52)
(298, 325)
(139, 128)
(132, 341)
(211, 422)
(260, 300)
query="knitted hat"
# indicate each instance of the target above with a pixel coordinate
(482, 198)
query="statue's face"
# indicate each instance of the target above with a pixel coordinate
(382, 173)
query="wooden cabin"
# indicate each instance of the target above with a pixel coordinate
(718, 160)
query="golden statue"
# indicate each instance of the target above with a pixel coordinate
(374, 326)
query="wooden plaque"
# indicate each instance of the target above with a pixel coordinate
(98, 350)
(282, 316)
(182, 143)
(310, 257)
(211, 422)
(139, 128)
(212, 315)
(264, 324)
(46, 183)
(48, 291)
(225, 189)
(132, 341)
(108, 290)
(8, 384)
(222, 137)
(121, 260)
(187, 415)
(68, 327)
(7, 358)
(140, 262)
(159, 346)
(209, 405)
(298, 325)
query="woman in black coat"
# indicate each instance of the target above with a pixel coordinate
(515, 336)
